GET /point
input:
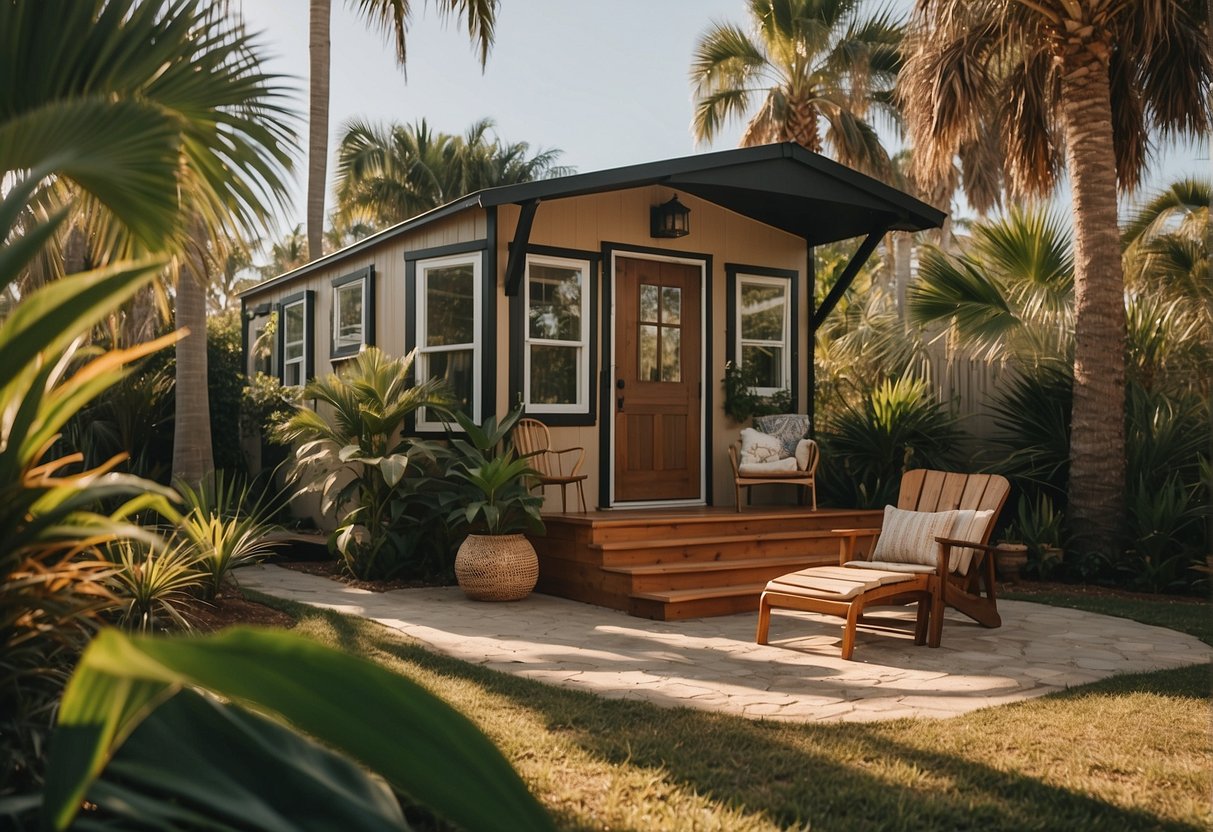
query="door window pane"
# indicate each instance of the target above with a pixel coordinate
(648, 302)
(671, 354)
(671, 305)
(648, 353)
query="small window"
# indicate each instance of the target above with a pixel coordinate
(448, 323)
(352, 313)
(556, 365)
(296, 334)
(763, 328)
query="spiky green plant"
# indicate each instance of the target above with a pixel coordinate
(153, 584)
(224, 528)
(866, 448)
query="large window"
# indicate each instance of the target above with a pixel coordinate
(448, 321)
(353, 311)
(295, 320)
(763, 330)
(556, 358)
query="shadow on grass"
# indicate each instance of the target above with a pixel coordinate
(899, 775)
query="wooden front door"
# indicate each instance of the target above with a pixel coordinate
(658, 381)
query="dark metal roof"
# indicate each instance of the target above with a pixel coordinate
(782, 185)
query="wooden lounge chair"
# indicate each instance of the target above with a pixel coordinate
(806, 477)
(954, 568)
(531, 438)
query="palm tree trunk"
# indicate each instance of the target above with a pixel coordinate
(802, 126)
(1097, 441)
(318, 125)
(193, 458)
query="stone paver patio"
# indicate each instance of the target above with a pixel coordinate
(714, 664)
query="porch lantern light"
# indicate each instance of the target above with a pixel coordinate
(672, 219)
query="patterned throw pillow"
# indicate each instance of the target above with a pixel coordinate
(789, 428)
(757, 446)
(970, 525)
(909, 536)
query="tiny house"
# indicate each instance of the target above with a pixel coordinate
(606, 303)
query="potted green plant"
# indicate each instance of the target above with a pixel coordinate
(1011, 554)
(495, 562)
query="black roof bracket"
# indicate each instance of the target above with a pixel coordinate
(522, 236)
(845, 279)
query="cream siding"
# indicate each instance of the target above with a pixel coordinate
(585, 223)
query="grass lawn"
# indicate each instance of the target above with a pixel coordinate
(1129, 753)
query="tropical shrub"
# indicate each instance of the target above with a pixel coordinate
(153, 583)
(223, 528)
(373, 479)
(225, 386)
(218, 731)
(866, 448)
(1032, 445)
(492, 496)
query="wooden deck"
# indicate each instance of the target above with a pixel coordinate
(684, 563)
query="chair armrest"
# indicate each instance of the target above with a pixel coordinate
(968, 544)
(733, 459)
(577, 464)
(847, 538)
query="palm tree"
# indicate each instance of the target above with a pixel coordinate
(232, 138)
(808, 61)
(288, 253)
(388, 174)
(392, 17)
(1084, 84)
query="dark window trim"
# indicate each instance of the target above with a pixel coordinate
(732, 272)
(367, 277)
(605, 451)
(308, 298)
(517, 314)
(488, 322)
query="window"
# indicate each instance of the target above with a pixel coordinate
(295, 317)
(353, 313)
(448, 320)
(763, 329)
(556, 361)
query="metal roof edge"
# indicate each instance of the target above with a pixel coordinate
(392, 231)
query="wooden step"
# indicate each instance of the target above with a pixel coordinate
(699, 602)
(634, 526)
(674, 576)
(717, 548)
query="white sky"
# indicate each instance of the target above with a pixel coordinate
(605, 82)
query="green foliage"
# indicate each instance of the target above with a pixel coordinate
(377, 482)
(228, 761)
(492, 497)
(152, 583)
(265, 405)
(1038, 525)
(740, 400)
(1032, 447)
(225, 385)
(866, 448)
(225, 529)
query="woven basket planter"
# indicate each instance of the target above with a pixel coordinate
(496, 567)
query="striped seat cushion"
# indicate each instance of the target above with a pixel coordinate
(837, 583)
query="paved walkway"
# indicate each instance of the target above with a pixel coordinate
(714, 664)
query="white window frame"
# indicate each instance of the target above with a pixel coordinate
(302, 342)
(785, 286)
(423, 267)
(581, 406)
(340, 351)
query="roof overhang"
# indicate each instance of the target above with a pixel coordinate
(781, 185)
